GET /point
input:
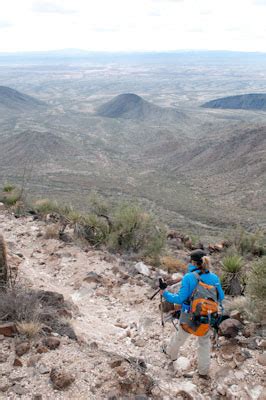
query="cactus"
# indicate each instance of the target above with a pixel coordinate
(3, 264)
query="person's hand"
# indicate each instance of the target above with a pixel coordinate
(162, 285)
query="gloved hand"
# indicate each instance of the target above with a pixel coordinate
(162, 284)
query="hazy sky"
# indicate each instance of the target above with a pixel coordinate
(128, 25)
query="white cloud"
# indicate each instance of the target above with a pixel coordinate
(116, 25)
(51, 8)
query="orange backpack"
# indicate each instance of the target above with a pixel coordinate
(203, 308)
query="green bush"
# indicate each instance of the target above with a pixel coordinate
(95, 229)
(8, 188)
(232, 263)
(11, 198)
(136, 231)
(256, 288)
(246, 242)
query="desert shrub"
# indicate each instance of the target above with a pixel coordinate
(29, 329)
(4, 270)
(94, 229)
(98, 205)
(232, 274)
(45, 206)
(11, 198)
(247, 242)
(256, 287)
(136, 231)
(19, 305)
(8, 187)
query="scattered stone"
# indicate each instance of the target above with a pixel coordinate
(51, 342)
(43, 369)
(61, 379)
(262, 344)
(181, 364)
(2, 206)
(3, 357)
(22, 348)
(4, 384)
(235, 314)
(37, 396)
(33, 360)
(116, 362)
(8, 329)
(142, 268)
(262, 359)
(139, 342)
(17, 362)
(230, 328)
(41, 349)
(18, 389)
(121, 325)
(92, 277)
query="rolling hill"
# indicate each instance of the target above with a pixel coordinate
(13, 100)
(133, 107)
(252, 101)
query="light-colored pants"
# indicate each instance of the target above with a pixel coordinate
(204, 349)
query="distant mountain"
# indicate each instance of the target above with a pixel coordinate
(11, 99)
(252, 101)
(133, 107)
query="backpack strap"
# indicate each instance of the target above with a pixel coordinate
(197, 276)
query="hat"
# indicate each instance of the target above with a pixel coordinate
(197, 255)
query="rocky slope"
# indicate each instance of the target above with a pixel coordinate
(117, 352)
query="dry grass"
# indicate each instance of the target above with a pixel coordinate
(172, 264)
(29, 329)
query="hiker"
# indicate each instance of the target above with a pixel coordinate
(202, 283)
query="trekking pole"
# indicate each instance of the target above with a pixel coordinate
(161, 307)
(154, 294)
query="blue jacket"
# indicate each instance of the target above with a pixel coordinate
(189, 283)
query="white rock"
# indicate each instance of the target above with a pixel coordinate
(142, 268)
(181, 364)
(2, 206)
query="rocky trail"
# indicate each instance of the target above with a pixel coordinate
(115, 352)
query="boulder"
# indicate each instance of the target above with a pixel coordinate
(22, 348)
(8, 329)
(61, 379)
(142, 268)
(235, 314)
(2, 206)
(230, 328)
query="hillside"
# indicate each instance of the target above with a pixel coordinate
(131, 106)
(17, 150)
(13, 100)
(108, 342)
(252, 101)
